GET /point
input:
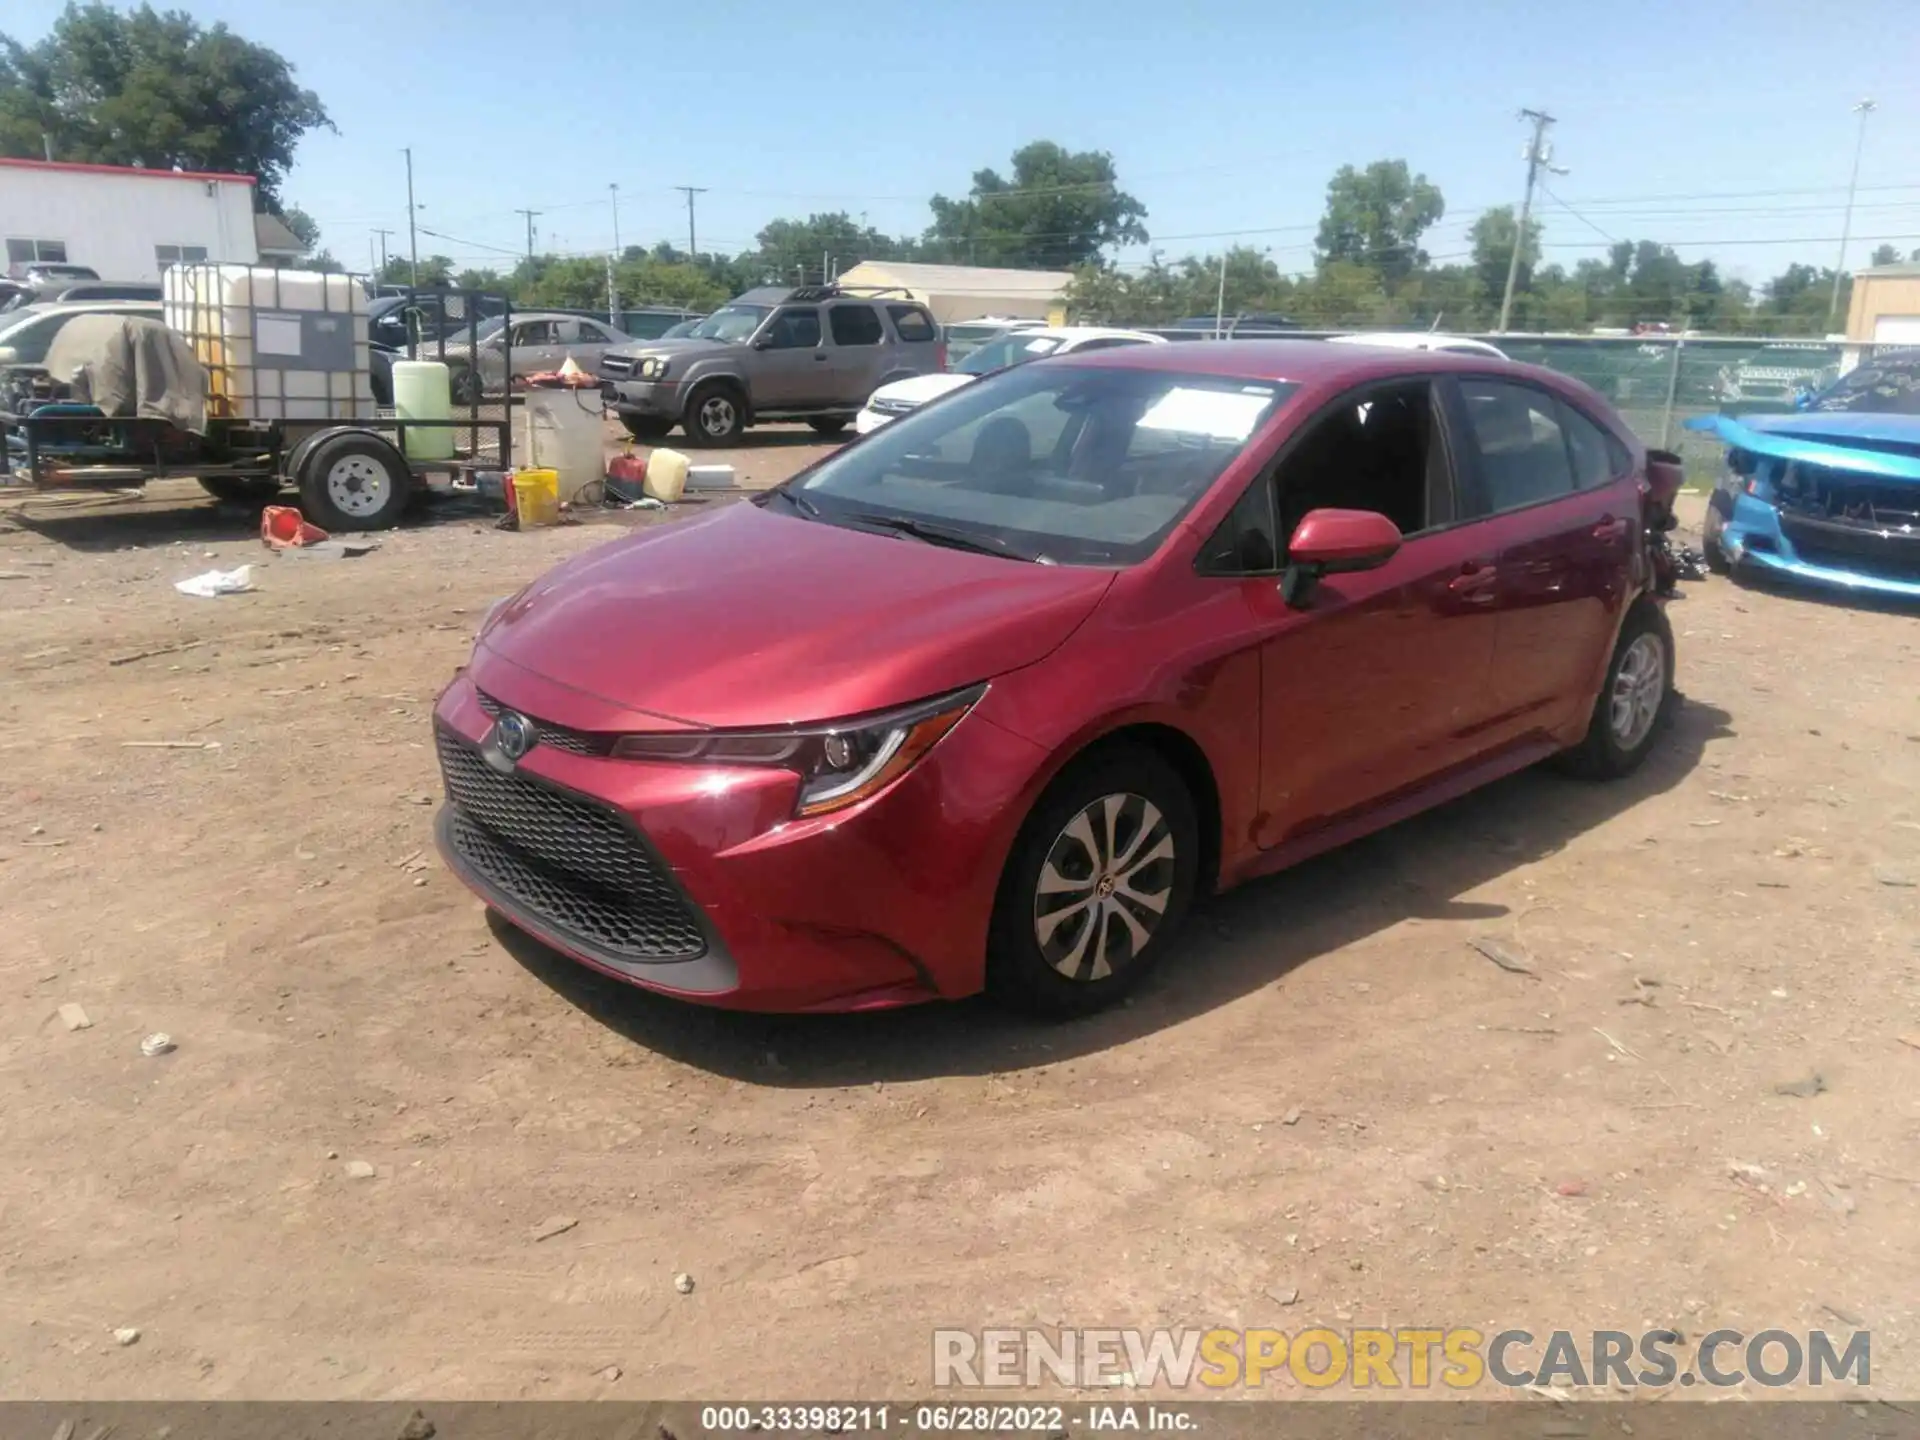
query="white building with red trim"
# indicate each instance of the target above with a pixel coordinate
(125, 224)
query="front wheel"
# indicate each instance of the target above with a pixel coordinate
(646, 427)
(1635, 700)
(1096, 886)
(355, 482)
(827, 424)
(715, 414)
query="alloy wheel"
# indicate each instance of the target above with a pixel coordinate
(1639, 685)
(1104, 887)
(716, 416)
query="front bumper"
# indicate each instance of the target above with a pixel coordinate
(716, 894)
(869, 420)
(662, 398)
(1757, 537)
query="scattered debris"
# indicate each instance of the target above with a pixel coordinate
(1702, 824)
(1771, 885)
(1292, 1117)
(1836, 1197)
(217, 582)
(1500, 955)
(157, 650)
(1290, 1295)
(552, 1226)
(126, 1335)
(359, 1170)
(1617, 1046)
(1571, 1189)
(683, 1282)
(1744, 1170)
(1898, 879)
(158, 1043)
(1812, 1085)
(1912, 1040)
(169, 744)
(74, 1018)
(1845, 1317)
(610, 1374)
(416, 1427)
(331, 550)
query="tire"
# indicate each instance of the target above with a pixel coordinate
(827, 424)
(716, 414)
(1627, 715)
(464, 387)
(1042, 957)
(233, 490)
(647, 427)
(355, 482)
(1710, 548)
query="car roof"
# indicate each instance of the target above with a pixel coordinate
(1302, 362)
(73, 307)
(1418, 340)
(1086, 332)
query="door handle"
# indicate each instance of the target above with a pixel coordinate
(1474, 584)
(1610, 529)
(818, 356)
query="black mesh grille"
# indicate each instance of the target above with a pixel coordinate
(565, 861)
(576, 742)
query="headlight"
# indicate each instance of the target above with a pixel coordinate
(652, 368)
(839, 764)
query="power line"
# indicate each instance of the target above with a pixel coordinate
(1548, 191)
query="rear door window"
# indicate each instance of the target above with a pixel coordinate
(1597, 457)
(1519, 442)
(912, 324)
(855, 325)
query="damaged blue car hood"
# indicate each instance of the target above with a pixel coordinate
(1883, 445)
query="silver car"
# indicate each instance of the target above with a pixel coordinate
(542, 341)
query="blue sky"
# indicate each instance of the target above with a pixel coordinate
(1724, 128)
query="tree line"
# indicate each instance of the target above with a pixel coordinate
(155, 89)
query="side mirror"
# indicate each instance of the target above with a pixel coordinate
(765, 342)
(1334, 542)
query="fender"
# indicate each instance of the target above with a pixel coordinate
(698, 376)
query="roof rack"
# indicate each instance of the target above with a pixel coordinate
(833, 290)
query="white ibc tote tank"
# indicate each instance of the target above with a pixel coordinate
(562, 429)
(277, 344)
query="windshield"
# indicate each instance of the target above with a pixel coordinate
(30, 339)
(1062, 463)
(1007, 350)
(490, 326)
(730, 322)
(1875, 387)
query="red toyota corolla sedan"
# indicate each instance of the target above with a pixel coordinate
(984, 699)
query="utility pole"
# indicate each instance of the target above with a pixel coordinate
(613, 297)
(1220, 303)
(413, 237)
(381, 235)
(530, 214)
(1863, 109)
(1538, 155)
(690, 191)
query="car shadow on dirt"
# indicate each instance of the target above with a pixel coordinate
(1782, 587)
(1233, 944)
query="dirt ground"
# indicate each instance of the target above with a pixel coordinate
(1601, 1144)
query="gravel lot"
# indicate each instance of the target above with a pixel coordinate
(1600, 1144)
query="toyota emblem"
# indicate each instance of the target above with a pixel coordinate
(513, 734)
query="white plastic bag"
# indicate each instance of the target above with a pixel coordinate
(217, 582)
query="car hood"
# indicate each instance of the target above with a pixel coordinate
(748, 617)
(642, 350)
(1884, 445)
(919, 389)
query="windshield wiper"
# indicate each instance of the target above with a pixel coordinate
(797, 500)
(935, 534)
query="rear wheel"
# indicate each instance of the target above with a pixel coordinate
(647, 427)
(355, 482)
(1635, 700)
(235, 490)
(715, 414)
(1096, 886)
(827, 424)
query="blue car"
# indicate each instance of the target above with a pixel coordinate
(1830, 494)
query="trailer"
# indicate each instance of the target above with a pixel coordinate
(288, 403)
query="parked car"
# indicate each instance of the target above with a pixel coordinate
(985, 700)
(1830, 496)
(812, 354)
(542, 341)
(26, 333)
(656, 322)
(966, 336)
(68, 292)
(1422, 340)
(1013, 347)
(1233, 327)
(39, 272)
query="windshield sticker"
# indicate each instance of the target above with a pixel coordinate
(1217, 414)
